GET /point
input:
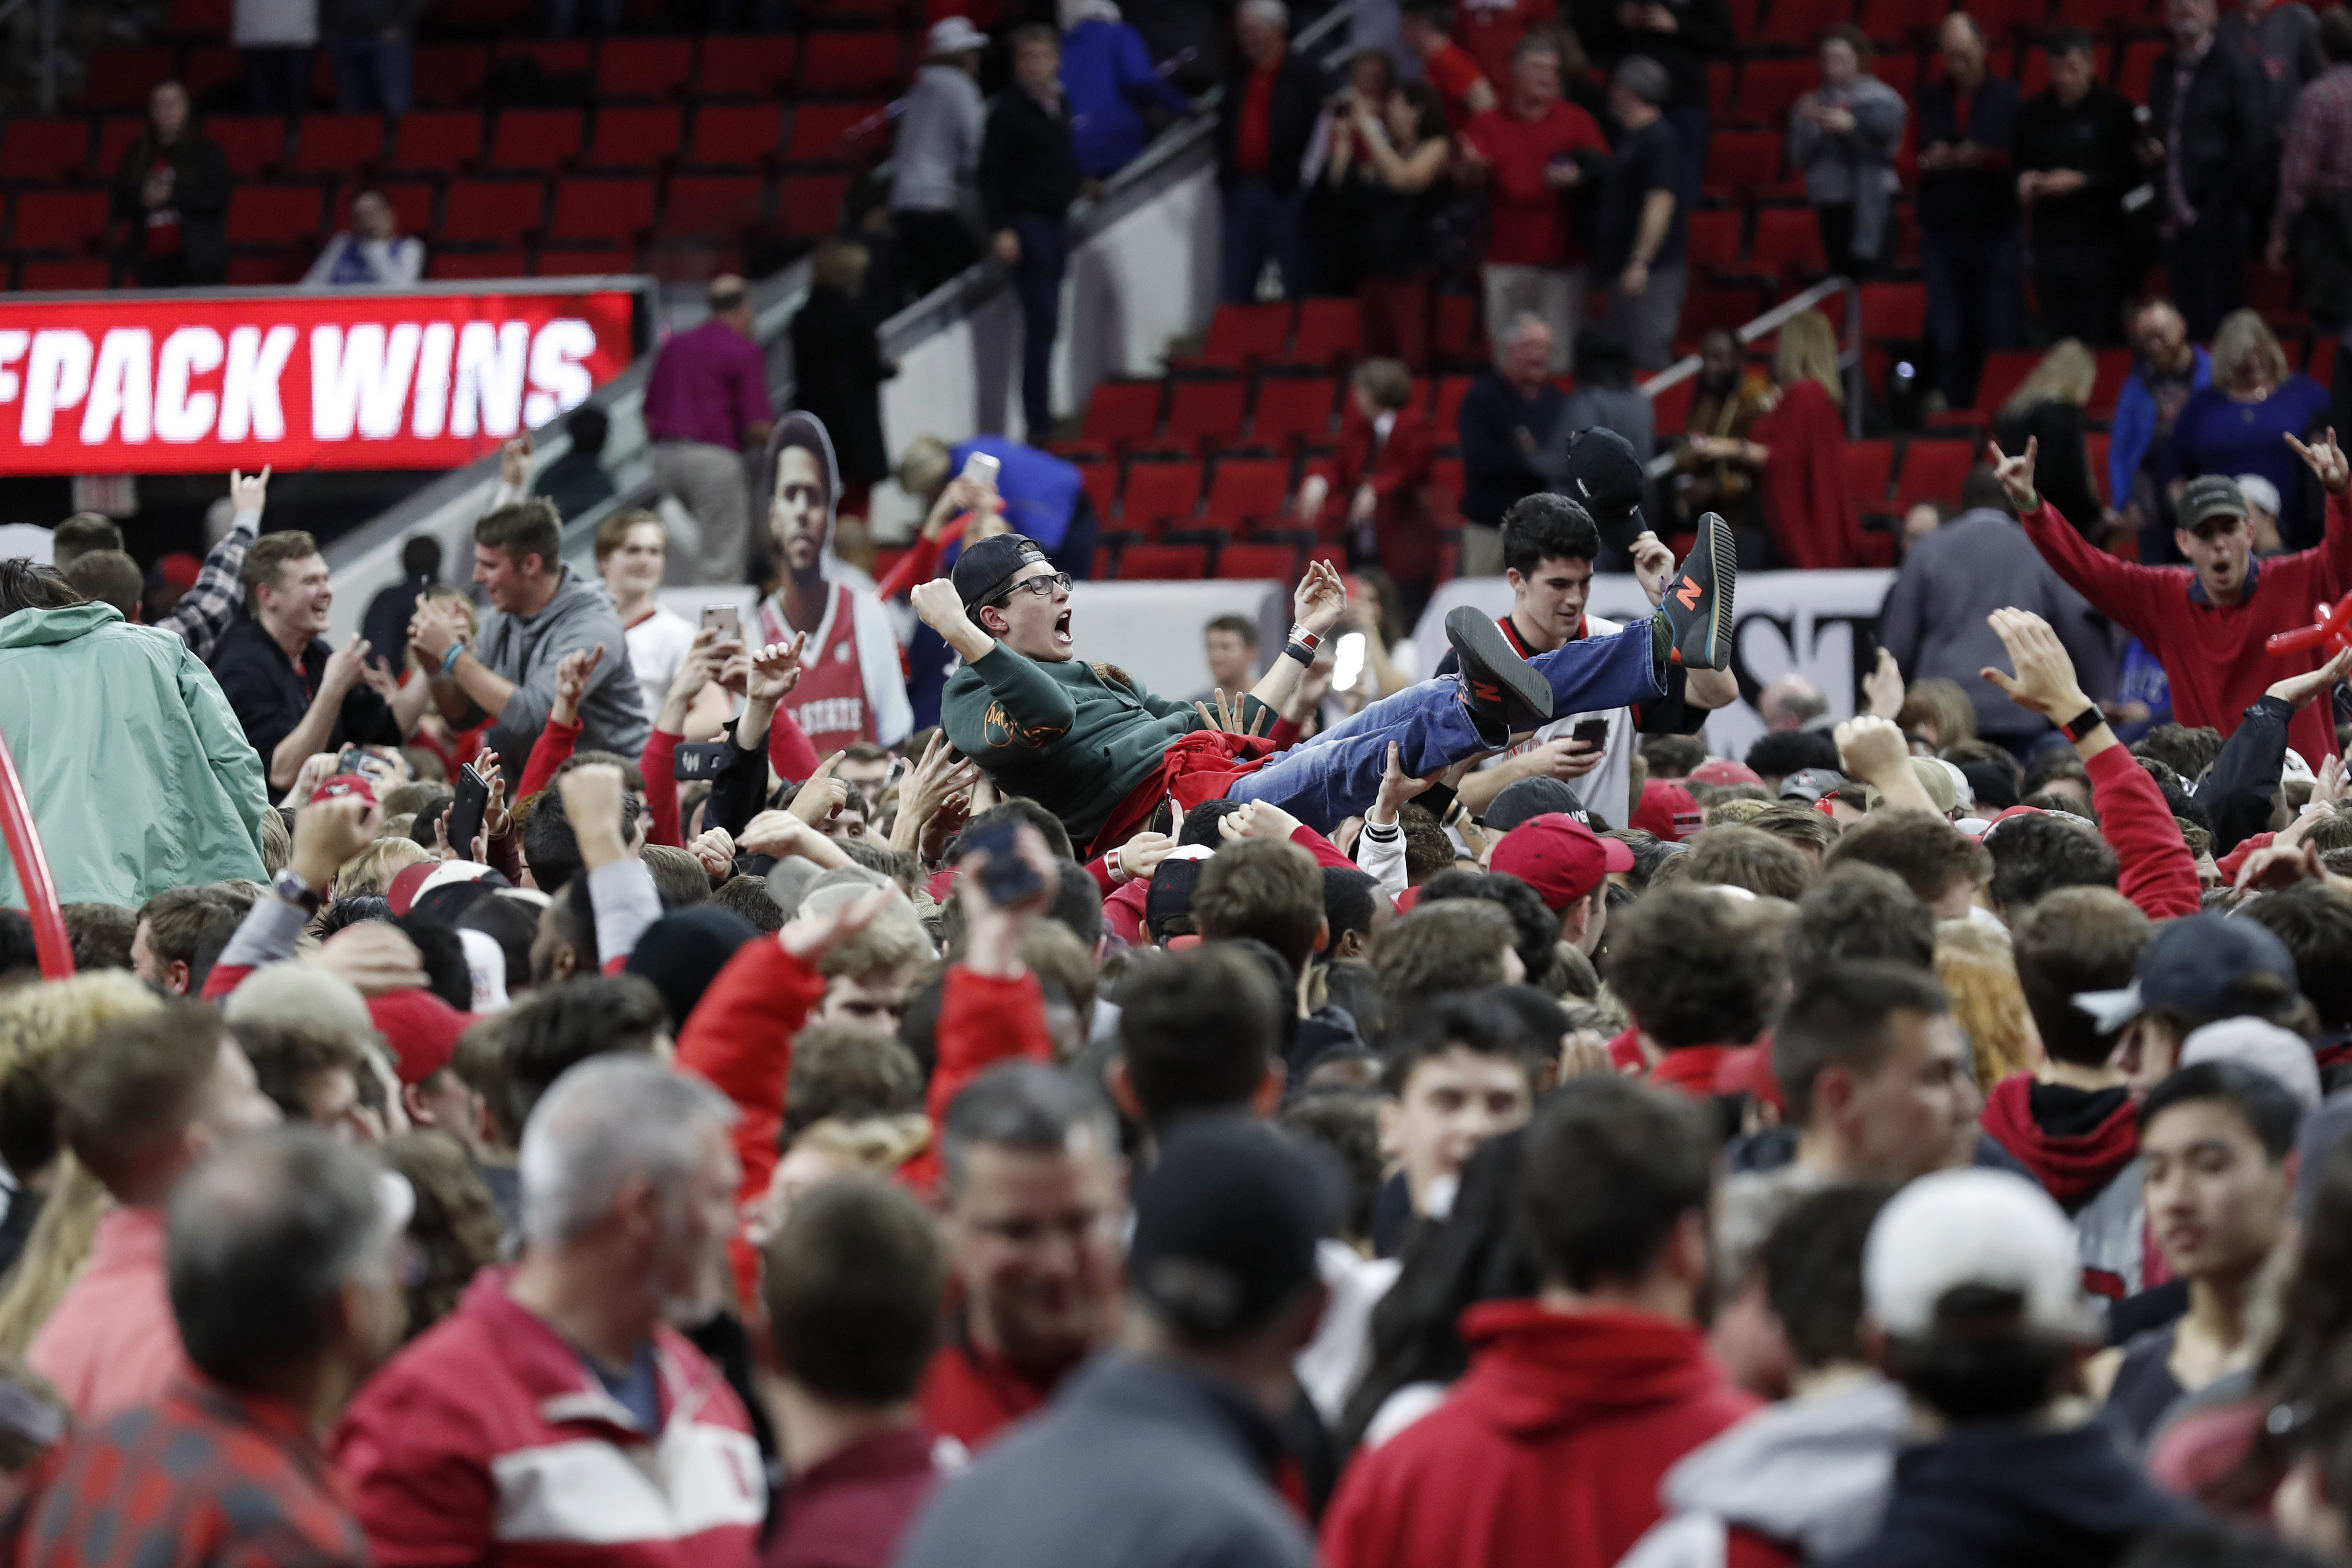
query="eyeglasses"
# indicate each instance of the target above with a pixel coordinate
(1043, 587)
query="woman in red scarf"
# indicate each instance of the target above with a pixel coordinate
(1799, 446)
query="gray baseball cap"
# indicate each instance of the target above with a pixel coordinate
(2210, 496)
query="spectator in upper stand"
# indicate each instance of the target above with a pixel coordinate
(1264, 126)
(937, 162)
(1530, 153)
(2209, 140)
(371, 251)
(577, 482)
(294, 695)
(2075, 162)
(1109, 77)
(2170, 369)
(1383, 461)
(273, 39)
(838, 368)
(1028, 178)
(2047, 409)
(2282, 38)
(171, 194)
(1387, 179)
(2236, 425)
(1605, 398)
(1967, 210)
(1680, 35)
(1934, 619)
(1640, 222)
(1800, 446)
(1490, 31)
(1508, 418)
(373, 46)
(1844, 135)
(385, 626)
(706, 405)
(1462, 87)
(2315, 184)
(1729, 399)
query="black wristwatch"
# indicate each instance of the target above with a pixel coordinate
(289, 886)
(2082, 724)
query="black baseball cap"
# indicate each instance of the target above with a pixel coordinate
(2199, 965)
(2210, 496)
(987, 566)
(1516, 802)
(1226, 1226)
(1604, 477)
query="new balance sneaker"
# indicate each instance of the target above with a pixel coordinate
(1697, 606)
(1502, 691)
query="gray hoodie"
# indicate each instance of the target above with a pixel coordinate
(526, 650)
(1811, 1474)
(1856, 165)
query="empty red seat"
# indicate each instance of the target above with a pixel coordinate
(2116, 368)
(1278, 561)
(850, 62)
(217, 69)
(266, 268)
(824, 131)
(411, 203)
(1100, 480)
(1451, 390)
(1722, 81)
(446, 75)
(1899, 21)
(1932, 470)
(273, 215)
(1329, 329)
(494, 212)
(1671, 409)
(536, 140)
(1894, 312)
(1118, 412)
(1248, 486)
(198, 19)
(76, 275)
(644, 68)
(1801, 23)
(808, 206)
(338, 145)
(1767, 89)
(712, 204)
(43, 152)
(1158, 563)
(1788, 243)
(2000, 16)
(583, 261)
(252, 143)
(1203, 411)
(1714, 239)
(734, 135)
(608, 210)
(454, 266)
(2004, 371)
(1741, 164)
(635, 138)
(1157, 490)
(1293, 407)
(1868, 466)
(1239, 334)
(755, 67)
(436, 142)
(1707, 306)
(121, 78)
(58, 220)
(555, 56)
(2138, 66)
(115, 134)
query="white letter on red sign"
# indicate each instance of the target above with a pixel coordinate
(555, 369)
(181, 414)
(55, 376)
(11, 349)
(488, 396)
(121, 389)
(433, 381)
(354, 382)
(249, 405)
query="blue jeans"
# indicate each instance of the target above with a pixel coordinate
(1258, 224)
(1336, 775)
(1037, 279)
(373, 75)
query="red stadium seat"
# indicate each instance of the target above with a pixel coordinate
(1788, 244)
(2138, 66)
(1293, 408)
(203, 19)
(585, 260)
(436, 142)
(712, 204)
(554, 56)
(1707, 306)
(734, 136)
(1203, 412)
(456, 266)
(1162, 563)
(1801, 23)
(606, 210)
(1743, 18)
(2095, 446)
(1901, 21)
(635, 138)
(2322, 368)
(832, 133)
(1277, 562)
(446, 75)
(1671, 409)
(1460, 324)
(273, 217)
(491, 212)
(1451, 390)
(2004, 371)
(1159, 490)
(1239, 335)
(253, 143)
(643, 68)
(121, 78)
(1329, 329)
(1999, 17)
(58, 220)
(2115, 369)
(1741, 164)
(753, 67)
(1722, 83)
(1714, 239)
(808, 206)
(851, 63)
(336, 145)
(412, 201)
(1932, 470)
(1894, 312)
(76, 275)
(210, 72)
(43, 152)
(1868, 466)
(535, 141)
(1100, 480)
(1767, 89)
(115, 135)
(1248, 486)
(266, 268)
(1118, 413)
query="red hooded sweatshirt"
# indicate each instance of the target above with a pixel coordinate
(1548, 1454)
(2073, 1166)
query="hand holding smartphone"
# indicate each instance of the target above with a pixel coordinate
(466, 811)
(726, 619)
(1593, 734)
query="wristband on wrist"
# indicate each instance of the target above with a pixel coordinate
(2082, 724)
(1302, 652)
(449, 660)
(1303, 637)
(1111, 863)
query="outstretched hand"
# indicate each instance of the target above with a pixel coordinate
(2297, 690)
(2016, 474)
(2326, 462)
(573, 671)
(1320, 599)
(250, 492)
(2044, 682)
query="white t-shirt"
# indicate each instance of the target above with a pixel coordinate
(658, 645)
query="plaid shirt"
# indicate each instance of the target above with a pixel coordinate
(205, 1478)
(205, 610)
(2319, 161)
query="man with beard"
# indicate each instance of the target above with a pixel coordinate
(1730, 397)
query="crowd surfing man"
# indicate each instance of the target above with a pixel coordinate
(1090, 744)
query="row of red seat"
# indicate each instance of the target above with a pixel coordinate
(1759, 90)
(276, 269)
(1796, 23)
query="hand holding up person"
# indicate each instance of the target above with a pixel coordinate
(1258, 819)
(939, 776)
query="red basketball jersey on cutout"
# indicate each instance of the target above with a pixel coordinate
(829, 701)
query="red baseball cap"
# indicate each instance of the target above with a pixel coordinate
(343, 784)
(1724, 771)
(1668, 811)
(422, 1028)
(1560, 857)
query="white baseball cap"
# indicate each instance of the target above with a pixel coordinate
(955, 35)
(2278, 1053)
(1974, 1227)
(2259, 491)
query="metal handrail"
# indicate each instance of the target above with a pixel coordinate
(1770, 321)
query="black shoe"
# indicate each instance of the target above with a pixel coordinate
(1503, 692)
(1697, 606)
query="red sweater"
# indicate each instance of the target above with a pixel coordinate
(1548, 1454)
(1530, 226)
(2213, 654)
(2158, 874)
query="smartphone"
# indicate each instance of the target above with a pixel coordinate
(725, 618)
(466, 811)
(982, 468)
(699, 760)
(1007, 877)
(353, 760)
(1591, 733)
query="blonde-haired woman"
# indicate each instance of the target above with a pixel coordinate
(2239, 424)
(2047, 406)
(1799, 449)
(1978, 968)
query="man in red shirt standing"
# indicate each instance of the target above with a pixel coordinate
(1549, 1452)
(706, 405)
(1532, 153)
(1446, 65)
(2208, 621)
(1267, 118)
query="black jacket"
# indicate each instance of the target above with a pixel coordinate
(199, 194)
(1138, 1464)
(1028, 162)
(1996, 1495)
(2096, 139)
(1290, 120)
(837, 375)
(270, 697)
(1703, 29)
(577, 482)
(1979, 198)
(2237, 790)
(1497, 468)
(2225, 150)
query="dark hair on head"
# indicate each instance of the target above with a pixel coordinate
(79, 534)
(748, 897)
(852, 1283)
(1241, 627)
(110, 577)
(1547, 527)
(447, 973)
(556, 1027)
(2270, 1112)
(1458, 945)
(550, 847)
(2176, 798)
(1672, 756)
(524, 529)
(1839, 1016)
(1860, 912)
(1979, 1363)
(2068, 40)
(1200, 824)
(135, 1086)
(1078, 903)
(1854, 39)
(269, 554)
(513, 925)
(2336, 35)
(2186, 752)
(850, 1072)
(1812, 1272)
(1346, 1120)
(1270, 890)
(1348, 894)
(1766, 866)
(1035, 33)
(1611, 1167)
(2316, 926)
(1777, 753)
(1691, 968)
(456, 1228)
(420, 556)
(588, 427)
(1537, 926)
(2076, 940)
(1197, 1029)
(356, 910)
(24, 585)
(1429, 122)
(679, 879)
(1479, 1022)
(2036, 855)
(1981, 490)
(1016, 808)
(1928, 853)
(1427, 849)
(20, 956)
(100, 935)
(2051, 764)
(1022, 1105)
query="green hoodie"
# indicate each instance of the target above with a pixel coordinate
(138, 771)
